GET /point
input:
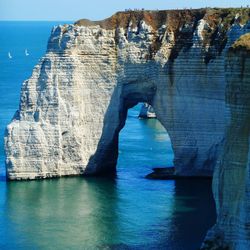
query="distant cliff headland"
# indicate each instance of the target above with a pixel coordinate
(191, 66)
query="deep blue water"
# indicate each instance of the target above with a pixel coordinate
(128, 212)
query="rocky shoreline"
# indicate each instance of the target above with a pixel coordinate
(168, 173)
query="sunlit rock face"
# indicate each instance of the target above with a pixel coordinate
(231, 184)
(75, 103)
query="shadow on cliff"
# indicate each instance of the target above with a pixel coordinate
(103, 161)
(124, 97)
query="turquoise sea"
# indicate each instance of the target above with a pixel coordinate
(126, 212)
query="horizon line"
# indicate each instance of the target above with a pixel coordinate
(35, 20)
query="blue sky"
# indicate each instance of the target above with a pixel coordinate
(94, 9)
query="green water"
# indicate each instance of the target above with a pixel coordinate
(126, 212)
(74, 213)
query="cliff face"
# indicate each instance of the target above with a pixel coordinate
(75, 103)
(231, 183)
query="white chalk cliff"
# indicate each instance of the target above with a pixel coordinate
(75, 103)
(231, 181)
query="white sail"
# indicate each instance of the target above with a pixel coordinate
(26, 52)
(9, 55)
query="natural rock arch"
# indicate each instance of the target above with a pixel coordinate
(131, 94)
(74, 104)
(145, 88)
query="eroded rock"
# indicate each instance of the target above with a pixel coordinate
(75, 103)
(231, 184)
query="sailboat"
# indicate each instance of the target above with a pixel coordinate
(9, 55)
(26, 52)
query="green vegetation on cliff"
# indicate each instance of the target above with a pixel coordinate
(242, 43)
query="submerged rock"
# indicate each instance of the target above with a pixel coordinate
(168, 173)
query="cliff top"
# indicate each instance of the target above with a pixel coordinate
(156, 19)
(181, 23)
(243, 43)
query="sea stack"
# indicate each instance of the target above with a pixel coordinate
(147, 111)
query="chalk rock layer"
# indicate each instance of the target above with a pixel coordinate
(75, 103)
(231, 183)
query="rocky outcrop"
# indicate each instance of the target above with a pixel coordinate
(231, 183)
(75, 103)
(147, 111)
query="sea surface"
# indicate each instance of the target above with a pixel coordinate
(126, 212)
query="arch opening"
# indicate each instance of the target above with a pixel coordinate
(192, 157)
(114, 132)
(143, 144)
(104, 161)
